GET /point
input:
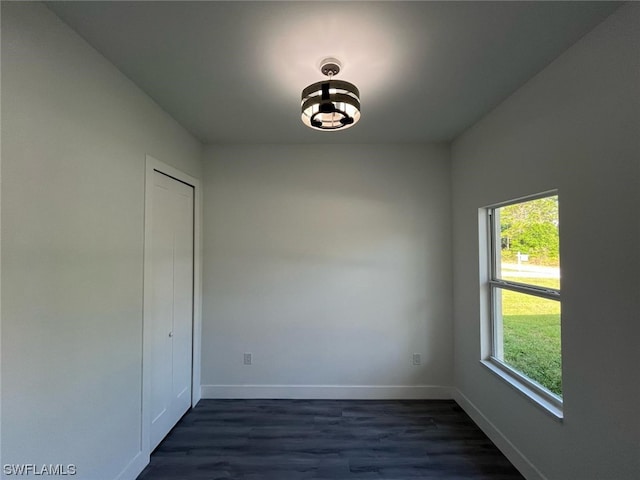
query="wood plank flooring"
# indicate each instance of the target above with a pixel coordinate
(327, 439)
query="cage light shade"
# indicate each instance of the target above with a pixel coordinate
(330, 105)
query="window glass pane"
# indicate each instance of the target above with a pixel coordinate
(529, 247)
(528, 336)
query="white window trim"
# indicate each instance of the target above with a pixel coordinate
(547, 401)
(539, 395)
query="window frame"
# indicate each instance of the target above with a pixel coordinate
(535, 391)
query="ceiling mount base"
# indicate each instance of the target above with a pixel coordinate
(330, 67)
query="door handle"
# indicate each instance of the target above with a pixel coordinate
(170, 334)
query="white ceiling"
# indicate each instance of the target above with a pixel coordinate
(232, 72)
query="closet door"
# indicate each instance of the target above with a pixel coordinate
(171, 315)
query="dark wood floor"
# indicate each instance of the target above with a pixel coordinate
(327, 439)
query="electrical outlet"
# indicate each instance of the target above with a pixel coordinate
(247, 359)
(417, 359)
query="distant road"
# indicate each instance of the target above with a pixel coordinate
(530, 271)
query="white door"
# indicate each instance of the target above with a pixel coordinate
(171, 315)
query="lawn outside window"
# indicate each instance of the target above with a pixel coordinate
(524, 297)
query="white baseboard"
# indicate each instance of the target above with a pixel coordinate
(134, 468)
(328, 392)
(515, 456)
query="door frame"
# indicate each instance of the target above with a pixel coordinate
(151, 165)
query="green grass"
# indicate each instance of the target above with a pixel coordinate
(531, 335)
(532, 346)
(539, 282)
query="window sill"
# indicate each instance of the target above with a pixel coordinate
(536, 398)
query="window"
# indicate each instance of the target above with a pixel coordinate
(524, 289)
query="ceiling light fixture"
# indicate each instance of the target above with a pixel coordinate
(330, 104)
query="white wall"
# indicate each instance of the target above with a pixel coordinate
(75, 133)
(575, 127)
(331, 265)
